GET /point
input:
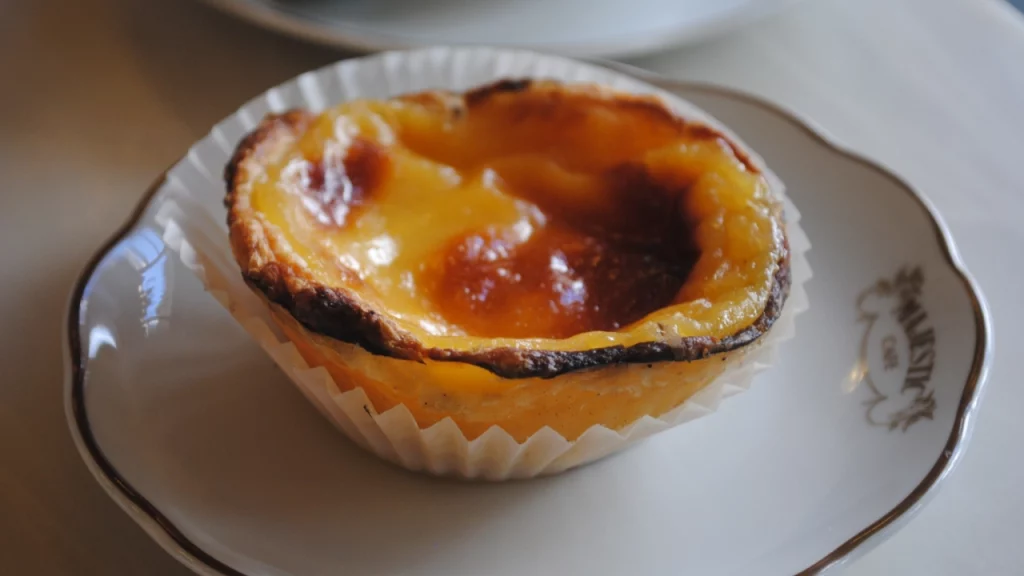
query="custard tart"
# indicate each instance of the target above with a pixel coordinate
(527, 254)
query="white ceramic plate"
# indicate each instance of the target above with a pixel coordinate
(572, 27)
(190, 428)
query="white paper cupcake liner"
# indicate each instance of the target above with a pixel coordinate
(191, 211)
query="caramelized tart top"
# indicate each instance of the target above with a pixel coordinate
(531, 228)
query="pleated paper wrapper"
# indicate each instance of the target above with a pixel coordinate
(192, 215)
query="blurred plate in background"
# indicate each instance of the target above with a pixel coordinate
(583, 28)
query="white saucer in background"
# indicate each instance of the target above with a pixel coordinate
(582, 28)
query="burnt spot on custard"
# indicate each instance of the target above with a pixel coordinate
(557, 284)
(335, 186)
(504, 86)
(583, 270)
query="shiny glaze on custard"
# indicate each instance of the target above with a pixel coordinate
(516, 221)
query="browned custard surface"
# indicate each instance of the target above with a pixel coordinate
(554, 217)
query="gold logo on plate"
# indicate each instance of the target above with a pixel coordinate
(897, 351)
